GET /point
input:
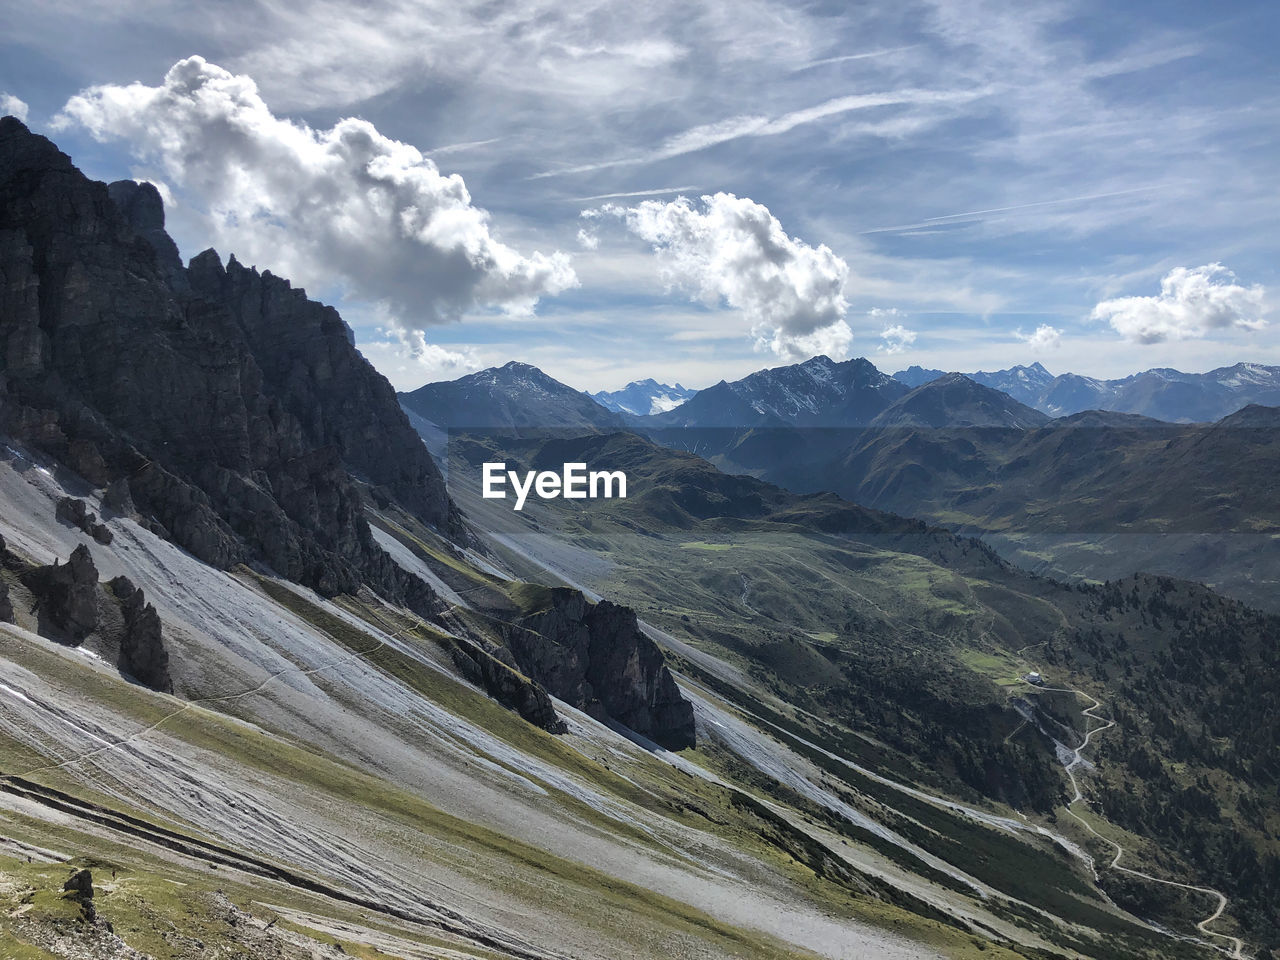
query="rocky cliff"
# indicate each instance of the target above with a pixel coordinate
(595, 657)
(66, 603)
(222, 409)
(232, 412)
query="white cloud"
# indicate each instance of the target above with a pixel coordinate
(734, 250)
(1045, 337)
(11, 106)
(753, 125)
(345, 204)
(437, 362)
(897, 338)
(1192, 301)
(587, 239)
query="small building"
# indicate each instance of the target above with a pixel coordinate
(1035, 678)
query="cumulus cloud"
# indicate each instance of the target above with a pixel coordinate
(11, 106)
(1045, 337)
(435, 359)
(345, 204)
(1192, 301)
(733, 250)
(897, 338)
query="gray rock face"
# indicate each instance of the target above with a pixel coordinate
(144, 210)
(505, 684)
(142, 652)
(239, 411)
(67, 595)
(338, 399)
(6, 604)
(595, 657)
(72, 606)
(77, 514)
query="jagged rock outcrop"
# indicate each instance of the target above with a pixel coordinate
(304, 351)
(77, 514)
(503, 682)
(595, 657)
(67, 596)
(78, 888)
(239, 413)
(6, 604)
(71, 606)
(143, 208)
(142, 651)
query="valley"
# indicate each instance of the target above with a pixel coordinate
(279, 677)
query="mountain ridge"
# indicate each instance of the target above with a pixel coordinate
(1161, 393)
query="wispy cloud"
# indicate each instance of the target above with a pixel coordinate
(846, 58)
(656, 192)
(975, 215)
(751, 125)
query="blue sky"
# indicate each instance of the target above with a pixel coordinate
(982, 176)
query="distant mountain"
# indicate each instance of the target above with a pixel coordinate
(1161, 393)
(955, 400)
(817, 393)
(1098, 494)
(512, 396)
(1175, 396)
(643, 397)
(915, 376)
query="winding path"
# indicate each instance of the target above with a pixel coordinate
(1237, 945)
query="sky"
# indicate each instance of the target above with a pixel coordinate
(691, 191)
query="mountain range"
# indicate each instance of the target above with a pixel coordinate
(643, 397)
(271, 686)
(1161, 393)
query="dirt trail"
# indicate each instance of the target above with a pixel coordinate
(1237, 945)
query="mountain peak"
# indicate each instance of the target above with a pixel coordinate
(817, 392)
(643, 397)
(515, 395)
(955, 400)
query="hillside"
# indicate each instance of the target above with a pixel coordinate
(268, 688)
(905, 645)
(1078, 496)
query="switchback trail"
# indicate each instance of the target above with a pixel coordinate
(1237, 945)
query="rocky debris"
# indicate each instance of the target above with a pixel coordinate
(77, 514)
(142, 651)
(67, 596)
(595, 657)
